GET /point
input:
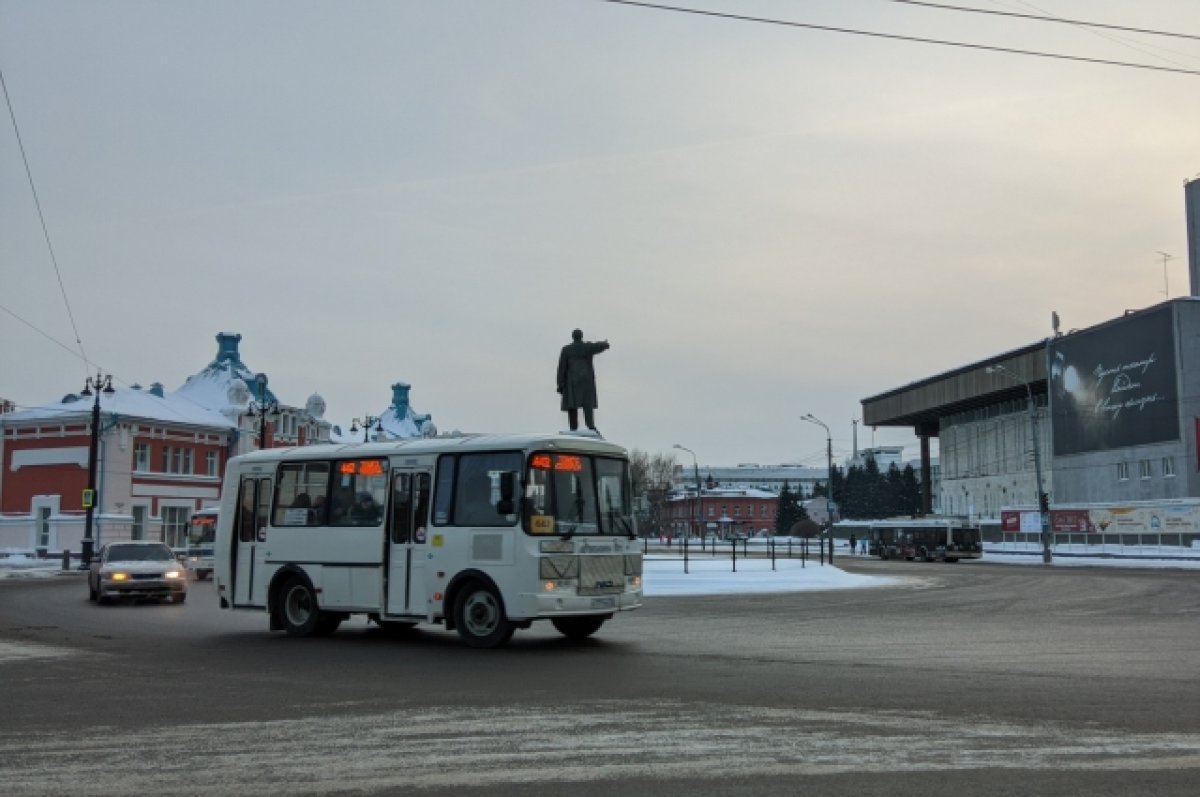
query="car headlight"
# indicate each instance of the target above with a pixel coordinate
(118, 576)
(172, 574)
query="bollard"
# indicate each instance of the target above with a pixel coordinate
(772, 554)
(66, 558)
(733, 547)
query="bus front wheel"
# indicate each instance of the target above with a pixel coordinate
(479, 617)
(577, 628)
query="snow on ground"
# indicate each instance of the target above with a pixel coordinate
(715, 576)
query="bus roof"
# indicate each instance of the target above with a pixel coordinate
(441, 444)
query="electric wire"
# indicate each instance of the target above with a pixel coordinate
(41, 217)
(1123, 42)
(1038, 18)
(898, 37)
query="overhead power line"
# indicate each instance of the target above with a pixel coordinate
(898, 37)
(45, 230)
(1039, 18)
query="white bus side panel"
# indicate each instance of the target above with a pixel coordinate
(345, 567)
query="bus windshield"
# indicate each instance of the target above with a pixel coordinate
(202, 531)
(569, 494)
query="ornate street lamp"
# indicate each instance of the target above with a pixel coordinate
(260, 407)
(100, 384)
(1043, 500)
(366, 426)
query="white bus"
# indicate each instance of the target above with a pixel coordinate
(202, 530)
(484, 533)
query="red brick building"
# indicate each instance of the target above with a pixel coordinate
(160, 455)
(722, 512)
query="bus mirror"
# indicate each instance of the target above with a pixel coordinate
(508, 491)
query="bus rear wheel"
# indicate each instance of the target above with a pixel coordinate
(298, 608)
(577, 628)
(479, 617)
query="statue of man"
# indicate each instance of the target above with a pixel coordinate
(577, 379)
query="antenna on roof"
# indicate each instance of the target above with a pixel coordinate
(1054, 322)
(1165, 258)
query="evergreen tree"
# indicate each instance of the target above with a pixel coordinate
(789, 511)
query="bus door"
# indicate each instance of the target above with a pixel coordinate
(249, 541)
(408, 543)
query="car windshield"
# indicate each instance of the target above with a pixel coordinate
(139, 553)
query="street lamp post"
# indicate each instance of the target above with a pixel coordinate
(829, 459)
(366, 426)
(260, 407)
(100, 384)
(699, 509)
(1043, 500)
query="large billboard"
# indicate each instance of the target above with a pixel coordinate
(1115, 386)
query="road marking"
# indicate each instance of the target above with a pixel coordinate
(569, 742)
(12, 651)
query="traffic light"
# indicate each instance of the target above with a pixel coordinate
(1044, 502)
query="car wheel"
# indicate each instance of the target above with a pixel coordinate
(479, 617)
(577, 628)
(298, 608)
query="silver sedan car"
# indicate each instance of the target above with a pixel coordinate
(136, 570)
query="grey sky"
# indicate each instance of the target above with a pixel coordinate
(763, 221)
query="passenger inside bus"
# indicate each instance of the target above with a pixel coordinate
(366, 511)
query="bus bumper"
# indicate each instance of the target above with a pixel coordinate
(548, 604)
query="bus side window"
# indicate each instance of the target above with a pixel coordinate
(443, 494)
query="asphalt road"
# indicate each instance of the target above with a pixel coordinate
(970, 679)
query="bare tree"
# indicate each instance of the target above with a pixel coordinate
(652, 476)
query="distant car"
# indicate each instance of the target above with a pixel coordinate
(136, 570)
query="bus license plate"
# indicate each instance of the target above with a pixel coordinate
(604, 603)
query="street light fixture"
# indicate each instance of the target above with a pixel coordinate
(366, 426)
(260, 408)
(1043, 500)
(100, 384)
(699, 509)
(829, 458)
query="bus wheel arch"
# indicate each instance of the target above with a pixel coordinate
(475, 608)
(293, 605)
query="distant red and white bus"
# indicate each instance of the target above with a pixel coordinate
(925, 539)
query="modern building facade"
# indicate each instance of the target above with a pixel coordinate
(1114, 410)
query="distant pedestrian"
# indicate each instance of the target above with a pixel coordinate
(853, 544)
(863, 546)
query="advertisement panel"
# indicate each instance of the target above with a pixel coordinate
(1115, 387)
(1183, 518)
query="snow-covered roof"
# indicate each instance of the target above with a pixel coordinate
(397, 422)
(127, 402)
